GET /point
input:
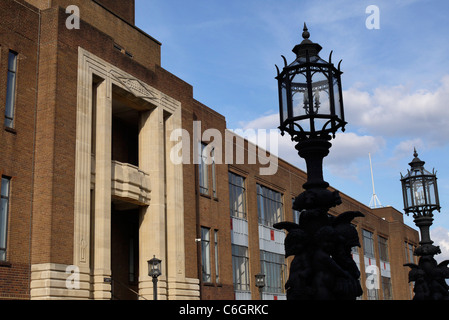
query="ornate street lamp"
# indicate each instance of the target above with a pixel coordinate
(260, 283)
(311, 105)
(154, 271)
(420, 193)
(311, 112)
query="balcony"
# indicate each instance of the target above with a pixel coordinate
(128, 183)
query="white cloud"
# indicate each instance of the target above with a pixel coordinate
(440, 236)
(347, 148)
(398, 112)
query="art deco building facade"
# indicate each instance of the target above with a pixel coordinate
(90, 190)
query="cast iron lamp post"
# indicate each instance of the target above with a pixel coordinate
(420, 193)
(311, 112)
(260, 283)
(154, 271)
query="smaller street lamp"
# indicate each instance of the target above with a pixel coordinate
(420, 193)
(154, 271)
(260, 283)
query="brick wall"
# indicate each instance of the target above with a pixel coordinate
(18, 32)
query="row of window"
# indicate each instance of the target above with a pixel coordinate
(270, 211)
(269, 202)
(368, 246)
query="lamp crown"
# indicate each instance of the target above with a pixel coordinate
(306, 46)
(416, 162)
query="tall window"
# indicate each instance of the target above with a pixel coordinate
(269, 206)
(383, 249)
(205, 254)
(409, 252)
(203, 169)
(386, 288)
(237, 196)
(368, 243)
(217, 268)
(296, 213)
(274, 267)
(11, 89)
(214, 180)
(240, 268)
(4, 209)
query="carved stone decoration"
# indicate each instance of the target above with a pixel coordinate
(135, 86)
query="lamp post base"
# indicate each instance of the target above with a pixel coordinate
(429, 276)
(322, 267)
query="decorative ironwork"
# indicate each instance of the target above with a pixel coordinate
(420, 193)
(311, 111)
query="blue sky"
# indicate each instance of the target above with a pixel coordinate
(395, 81)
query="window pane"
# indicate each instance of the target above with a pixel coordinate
(274, 267)
(237, 196)
(10, 89)
(205, 254)
(368, 245)
(203, 169)
(5, 188)
(12, 61)
(217, 274)
(3, 222)
(240, 268)
(10, 95)
(270, 207)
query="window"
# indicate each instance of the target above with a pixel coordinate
(11, 89)
(203, 169)
(383, 249)
(409, 253)
(372, 294)
(240, 268)
(368, 243)
(214, 180)
(386, 288)
(205, 254)
(296, 213)
(217, 271)
(4, 209)
(237, 196)
(269, 206)
(274, 267)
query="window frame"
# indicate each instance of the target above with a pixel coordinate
(206, 263)
(203, 170)
(269, 201)
(235, 192)
(241, 276)
(368, 240)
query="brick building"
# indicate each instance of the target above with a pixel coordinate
(88, 183)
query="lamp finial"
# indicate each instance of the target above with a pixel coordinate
(306, 33)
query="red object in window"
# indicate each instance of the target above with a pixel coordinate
(231, 225)
(275, 297)
(272, 235)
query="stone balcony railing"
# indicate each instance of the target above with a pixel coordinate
(128, 183)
